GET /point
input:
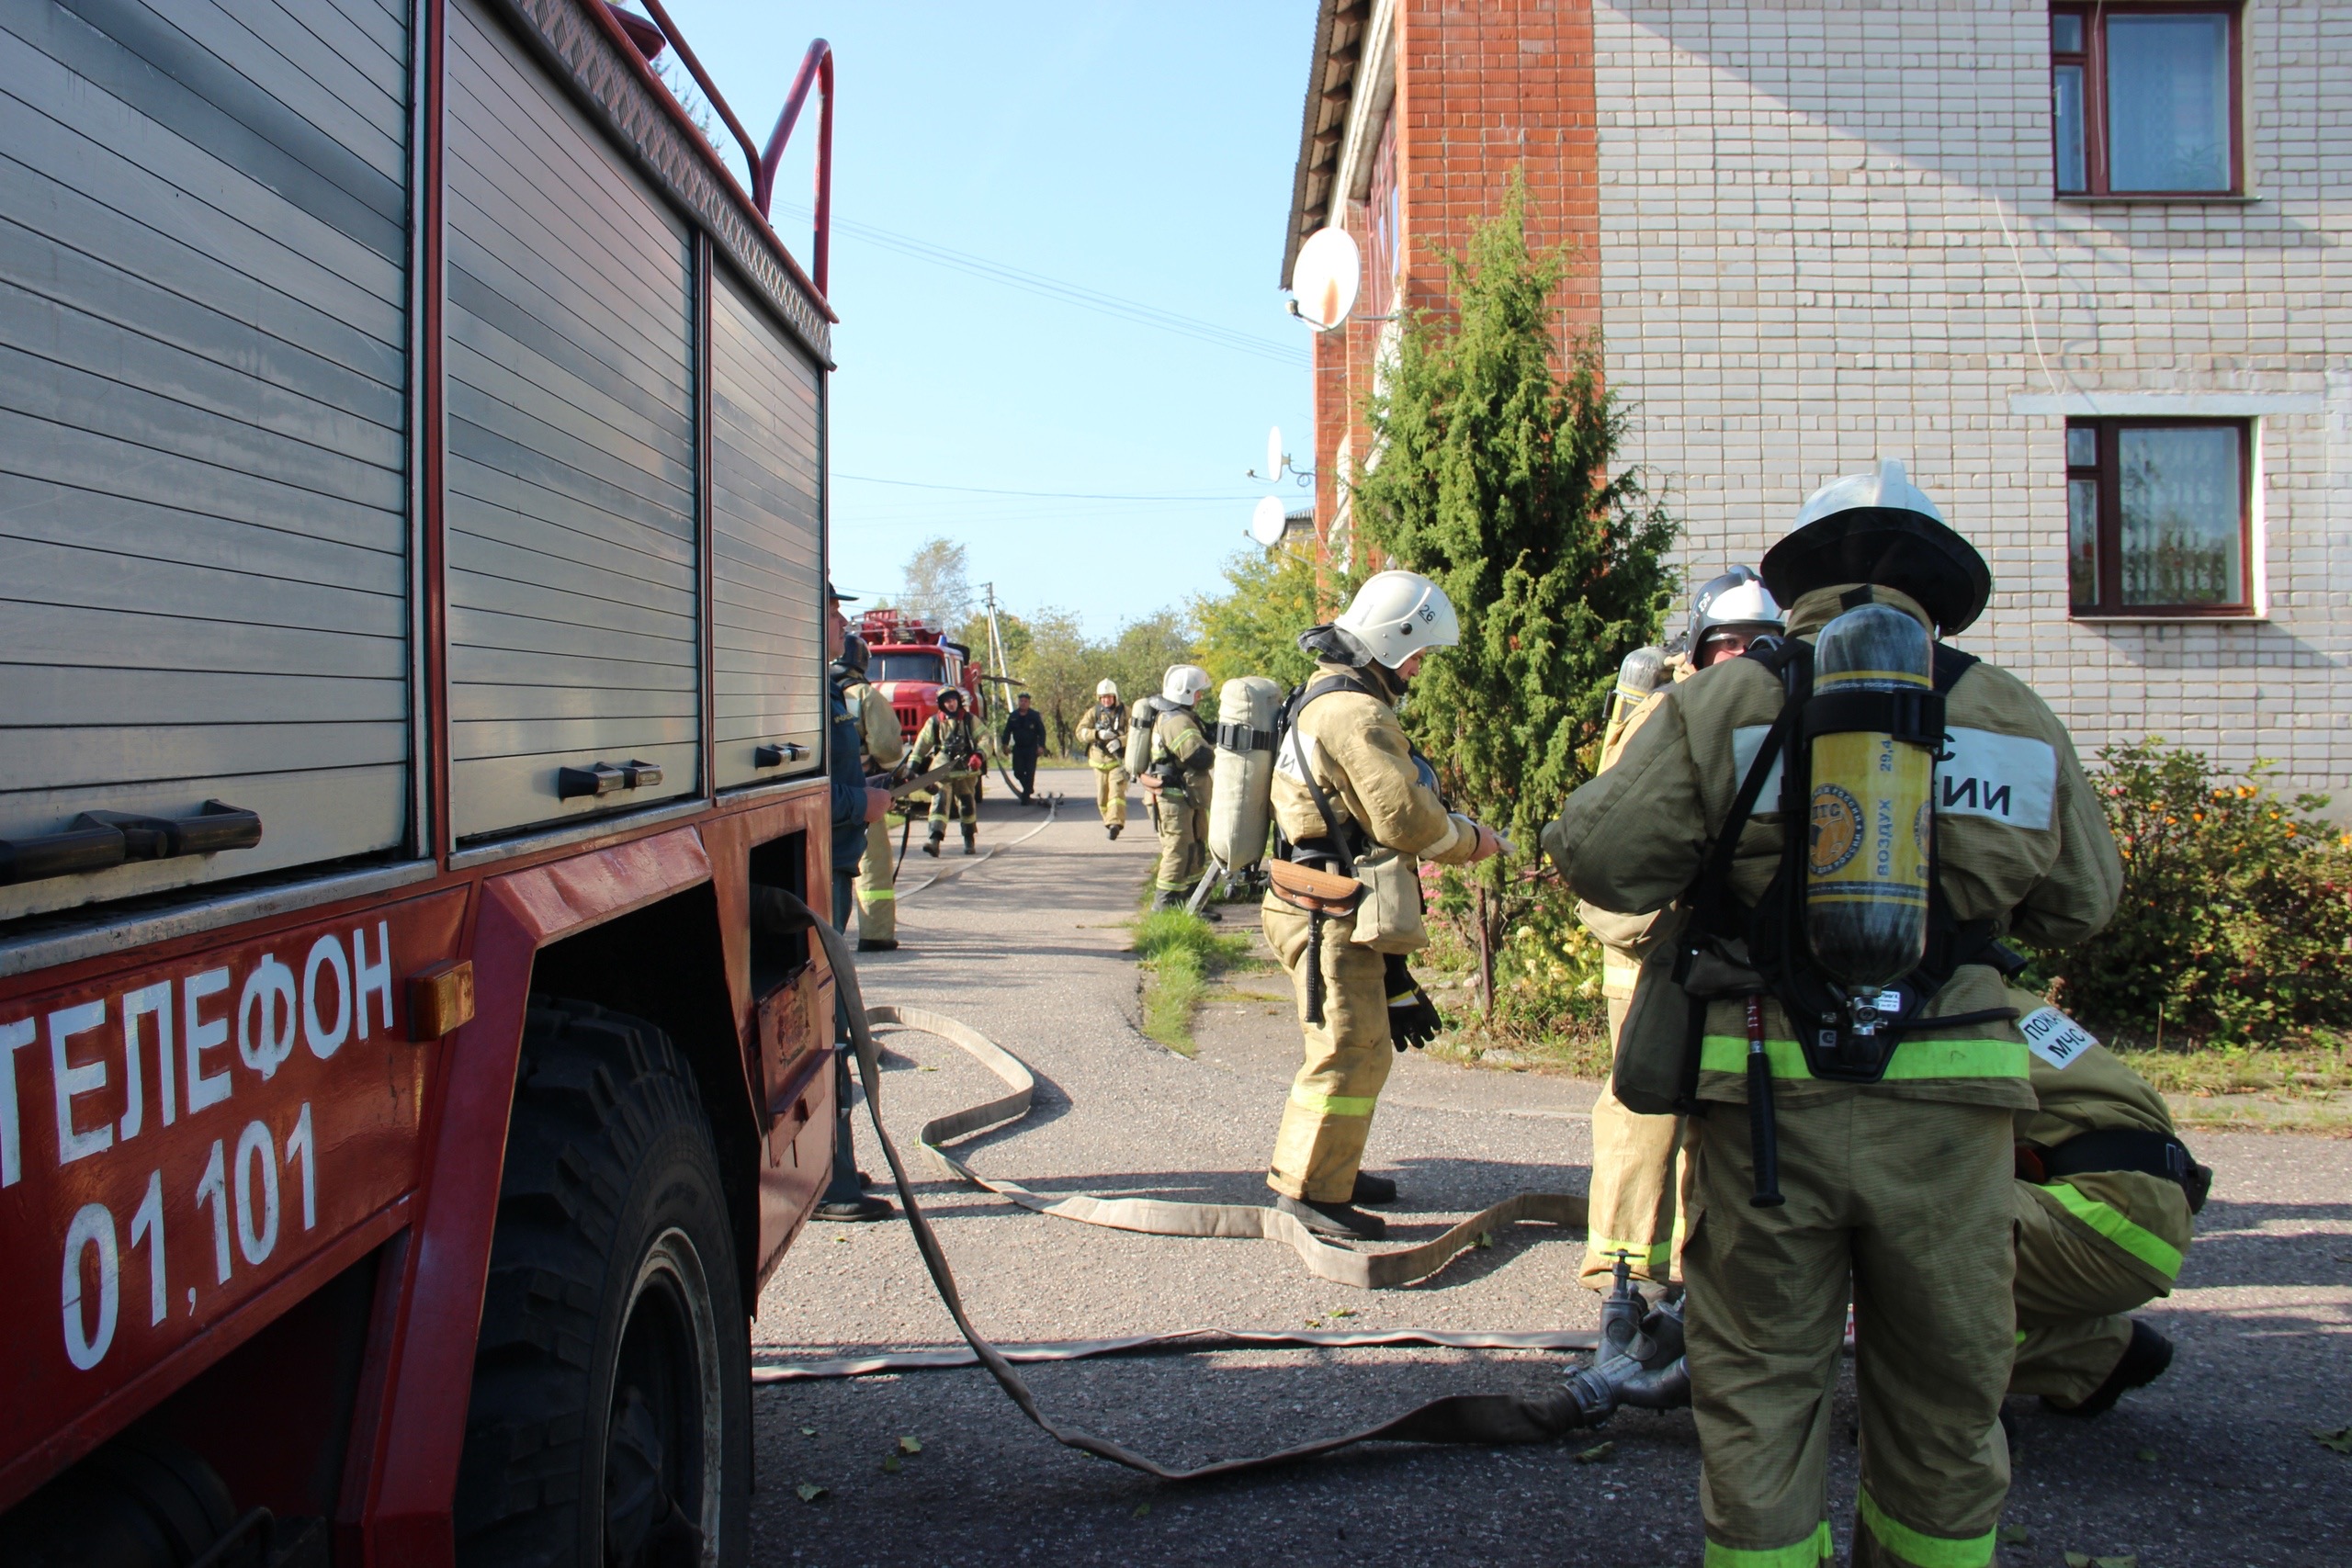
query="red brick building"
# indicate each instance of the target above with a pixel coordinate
(1416, 113)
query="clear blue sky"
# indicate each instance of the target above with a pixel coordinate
(1140, 151)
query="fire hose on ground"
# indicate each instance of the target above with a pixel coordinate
(1638, 1351)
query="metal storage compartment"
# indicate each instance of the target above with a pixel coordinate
(767, 548)
(203, 471)
(571, 525)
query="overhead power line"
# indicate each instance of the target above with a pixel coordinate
(1085, 298)
(1039, 494)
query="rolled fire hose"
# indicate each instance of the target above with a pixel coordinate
(1480, 1418)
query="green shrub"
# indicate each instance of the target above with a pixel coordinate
(2235, 919)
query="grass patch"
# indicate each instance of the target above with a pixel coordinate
(1182, 954)
(2319, 1068)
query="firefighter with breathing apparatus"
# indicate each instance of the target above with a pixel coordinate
(1104, 733)
(1633, 1197)
(1355, 812)
(950, 736)
(1175, 779)
(1848, 820)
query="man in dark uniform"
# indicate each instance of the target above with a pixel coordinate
(855, 805)
(1024, 737)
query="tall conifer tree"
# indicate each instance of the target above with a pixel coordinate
(1498, 475)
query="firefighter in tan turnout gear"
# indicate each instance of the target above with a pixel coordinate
(1177, 784)
(885, 747)
(1355, 813)
(951, 736)
(1634, 1199)
(1104, 731)
(2101, 1206)
(1832, 1012)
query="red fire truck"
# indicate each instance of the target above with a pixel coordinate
(412, 1056)
(911, 662)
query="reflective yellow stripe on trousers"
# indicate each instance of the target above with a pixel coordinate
(1810, 1552)
(1913, 1058)
(1927, 1551)
(2109, 1222)
(1334, 1104)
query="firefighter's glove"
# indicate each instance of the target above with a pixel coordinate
(1412, 1018)
(977, 763)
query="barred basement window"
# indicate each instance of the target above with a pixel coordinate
(2144, 99)
(2157, 516)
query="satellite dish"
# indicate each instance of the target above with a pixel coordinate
(1274, 453)
(1267, 523)
(1324, 279)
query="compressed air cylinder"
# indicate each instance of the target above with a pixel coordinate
(1871, 814)
(1643, 672)
(1141, 717)
(1241, 791)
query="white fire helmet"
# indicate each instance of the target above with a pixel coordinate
(1738, 598)
(1185, 683)
(1106, 687)
(1396, 614)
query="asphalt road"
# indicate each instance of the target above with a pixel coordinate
(2215, 1464)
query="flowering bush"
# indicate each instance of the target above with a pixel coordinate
(2235, 920)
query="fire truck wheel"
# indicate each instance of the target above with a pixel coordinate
(611, 1415)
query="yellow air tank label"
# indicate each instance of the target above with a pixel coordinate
(1870, 811)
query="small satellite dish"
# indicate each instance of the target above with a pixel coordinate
(1267, 523)
(1274, 453)
(1324, 278)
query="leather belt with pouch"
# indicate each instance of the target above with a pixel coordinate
(1315, 891)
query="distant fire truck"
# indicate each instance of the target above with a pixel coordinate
(413, 1053)
(912, 661)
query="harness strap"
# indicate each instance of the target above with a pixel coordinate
(1340, 851)
(2120, 1148)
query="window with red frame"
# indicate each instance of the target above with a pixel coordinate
(2144, 98)
(1384, 214)
(2157, 516)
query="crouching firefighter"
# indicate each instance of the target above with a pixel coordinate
(1176, 779)
(1848, 818)
(1635, 1198)
(1355, 812)
(2101, 1207)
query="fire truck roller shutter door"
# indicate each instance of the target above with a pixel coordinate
(766, 539)
(203, 456)
(570, 387)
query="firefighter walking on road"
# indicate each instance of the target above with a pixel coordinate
(1355, 812)
(1868, 1156)
(950, 736)
(1024, 738)
(1635, 1201)
(885, 748)
(1177, 784)
(1104, 733)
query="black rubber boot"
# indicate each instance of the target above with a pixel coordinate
(1166, 898)
(2142, 1362)
(971, 840)
(931, 845)
(878, 944)
(1112, 828)
(1372, 1189)
(845, 1201)
(1337, 1220)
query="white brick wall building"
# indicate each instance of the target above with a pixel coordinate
(1828, 233)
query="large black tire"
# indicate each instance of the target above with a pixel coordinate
(611, 1420)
